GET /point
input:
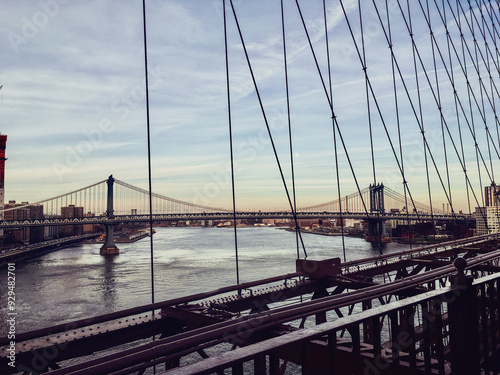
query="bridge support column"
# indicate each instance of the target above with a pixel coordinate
(109, 247)
(377, 227)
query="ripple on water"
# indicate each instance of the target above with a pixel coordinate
(77, 282)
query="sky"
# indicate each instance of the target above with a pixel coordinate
(73, 100)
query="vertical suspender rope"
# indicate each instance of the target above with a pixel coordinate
(417, 119)
(149, 162)
(330, 90)
(370, 126)
(473, 131)
(344, 146)
(493, 38)
(471, 12)
(271, 139)
(419, 104)
(452, 77)
(367, 91)
(149, 151)
(438, 92)
(398, 121)
(297, 228)
(231, 142)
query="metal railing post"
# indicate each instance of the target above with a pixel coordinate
(463, 321)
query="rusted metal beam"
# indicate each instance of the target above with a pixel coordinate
(270, 325)
(229, 330)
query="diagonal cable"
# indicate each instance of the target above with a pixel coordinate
(267, 124)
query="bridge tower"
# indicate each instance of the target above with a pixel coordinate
(109, 247)
(377, 226)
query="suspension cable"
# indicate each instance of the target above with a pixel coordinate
(419, 101)
(344, 146)
(285, 67)
(438, 91)
(455, 98)
(476, 55)
(294, 213)
(231, 143)
(374, 96)
(398, 123)
(333, 129)
(469, 94)
(445, 123)
(148, 128)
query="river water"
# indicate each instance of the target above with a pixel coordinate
(77, 282)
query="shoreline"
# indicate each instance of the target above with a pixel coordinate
(43, 248)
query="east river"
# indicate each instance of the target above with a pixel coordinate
(77, 282)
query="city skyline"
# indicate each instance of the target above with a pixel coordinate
(73, 103)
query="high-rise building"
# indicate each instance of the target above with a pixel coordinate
(488, 217)
(487, 220)
(492, 195)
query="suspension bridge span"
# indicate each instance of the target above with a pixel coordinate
(129, 204)
(93, 198)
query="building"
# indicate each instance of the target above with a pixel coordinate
(71, 212)
(487, 220)
(492, 195)
(89, 228)
(51, 232)
(23, 211)
(36, 233)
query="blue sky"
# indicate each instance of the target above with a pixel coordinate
(73, 104)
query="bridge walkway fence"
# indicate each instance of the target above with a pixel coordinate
(290, 278)
(454, 330)
(84, 337)
(427, 325)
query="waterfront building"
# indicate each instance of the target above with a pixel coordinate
(487, 219)
(71, 212)
(492, 195)
(89, 228)
(22, 213)
(36, 233)
(51, 232)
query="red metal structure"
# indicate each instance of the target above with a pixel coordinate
(3, 142)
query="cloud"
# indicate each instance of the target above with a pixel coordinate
(74, 96)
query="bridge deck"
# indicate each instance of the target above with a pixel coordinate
(227, 216)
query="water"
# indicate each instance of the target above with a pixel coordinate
(77, 282)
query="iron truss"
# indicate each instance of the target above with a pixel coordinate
(287, 320)
(228, 216)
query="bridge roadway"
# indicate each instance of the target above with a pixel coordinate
(117, 219)
(244, 314)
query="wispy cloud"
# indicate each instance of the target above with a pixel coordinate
(73, 101)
